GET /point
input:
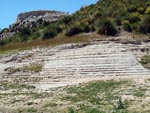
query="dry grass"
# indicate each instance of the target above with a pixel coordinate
(31, 67)
(40, 43)
(104, 96)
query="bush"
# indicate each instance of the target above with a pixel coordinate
(77, 29)
(25, 31)
(49, 34)
(51, 31)
(118, 21)
(67, 19)
(126, 25)
(4, 41)
(106, 27)
(147, 10)
(125, 22)
(145, 59)
(145, 25)
(132, 9)
(74, 30)
(127, 28)
(134, 18)
(140, 10)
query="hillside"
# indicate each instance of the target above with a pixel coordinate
(96, 60)
(110, 15)
(89, 77)
(28, 21)
(106, 17)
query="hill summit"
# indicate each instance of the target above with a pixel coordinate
(46, 15)
(32, 19)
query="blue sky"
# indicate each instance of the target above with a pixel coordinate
(9, 9)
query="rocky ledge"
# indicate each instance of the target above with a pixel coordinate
(46, 15)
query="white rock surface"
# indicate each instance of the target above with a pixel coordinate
(70, 64)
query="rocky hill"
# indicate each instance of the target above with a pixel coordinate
(101, 18)
(31, 19)
(86, 73)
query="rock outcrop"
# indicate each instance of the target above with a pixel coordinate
(75, 63)
(32, 19)
(36, 15)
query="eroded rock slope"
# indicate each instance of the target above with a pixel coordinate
(71, 64)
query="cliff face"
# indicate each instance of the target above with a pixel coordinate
(32, 19)
(36, 15)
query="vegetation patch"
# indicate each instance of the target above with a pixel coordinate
(110, 96)
(28, 110)
(96, 95)
(6, 85)
(50, 104)
(30, 68)
(106, 27)
(139, 92)
(145, 61)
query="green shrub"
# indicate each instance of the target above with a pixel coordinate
(71, 110)
(67, 19)
(25, 31)
(23, 34)
(118, 21)
(140, 10)
(145, 25)
(4, 41)
(127, 28)
(51, 31)
(134, 17)
(77, 29)
(145, 59)
(135, 26)
(126, 25)
(132, 9)
(35, 35)
(147, 10)
(125, 22)
(106, 27)
(74, 30)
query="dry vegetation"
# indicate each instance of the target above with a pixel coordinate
(116, 96)
(40, 43)
(35, 67)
